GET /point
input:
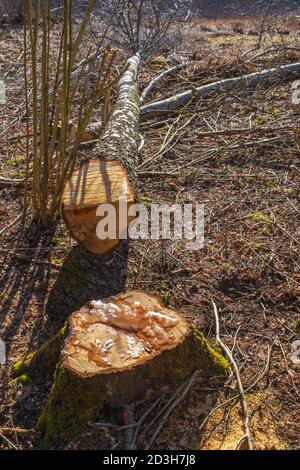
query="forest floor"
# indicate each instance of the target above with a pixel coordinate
(249, 184)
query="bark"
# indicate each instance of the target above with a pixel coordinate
(84, 276)
(111, 173)
(120, 139)
(162, 107)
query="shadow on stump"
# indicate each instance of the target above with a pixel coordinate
(84, 277)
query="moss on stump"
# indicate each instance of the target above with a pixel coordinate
(73, 401)
(41, 363)
(102, 358)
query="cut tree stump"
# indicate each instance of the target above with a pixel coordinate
(111, 353)
(111, 174)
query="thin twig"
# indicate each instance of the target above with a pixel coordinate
(237, 376)
(183, 391)
(8, 441)
(15, 221)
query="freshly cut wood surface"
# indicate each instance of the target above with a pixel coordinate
(120, 333)
(95, 182)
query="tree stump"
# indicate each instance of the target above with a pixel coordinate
(112, 353)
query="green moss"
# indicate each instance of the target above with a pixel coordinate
(23, 379)
(259, 248)
(160, 60)
(73, 402)
(146, 201)
(292, 324)
(256, 246)
(57, 240)
(43, 361)
(263, 221)
(274, 401)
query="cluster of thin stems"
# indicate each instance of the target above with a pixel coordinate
(52, 99)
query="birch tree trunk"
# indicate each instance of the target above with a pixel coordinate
(111, 173)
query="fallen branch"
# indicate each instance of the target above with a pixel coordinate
(238, 379)
(10, 182)
(162, 75)
(246, 81)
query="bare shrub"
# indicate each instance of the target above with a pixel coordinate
(144, 25)
(11, 10)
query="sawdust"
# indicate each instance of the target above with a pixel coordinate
(225, 429)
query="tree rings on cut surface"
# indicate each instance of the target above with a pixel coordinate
(94, 183)
(120, 333)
